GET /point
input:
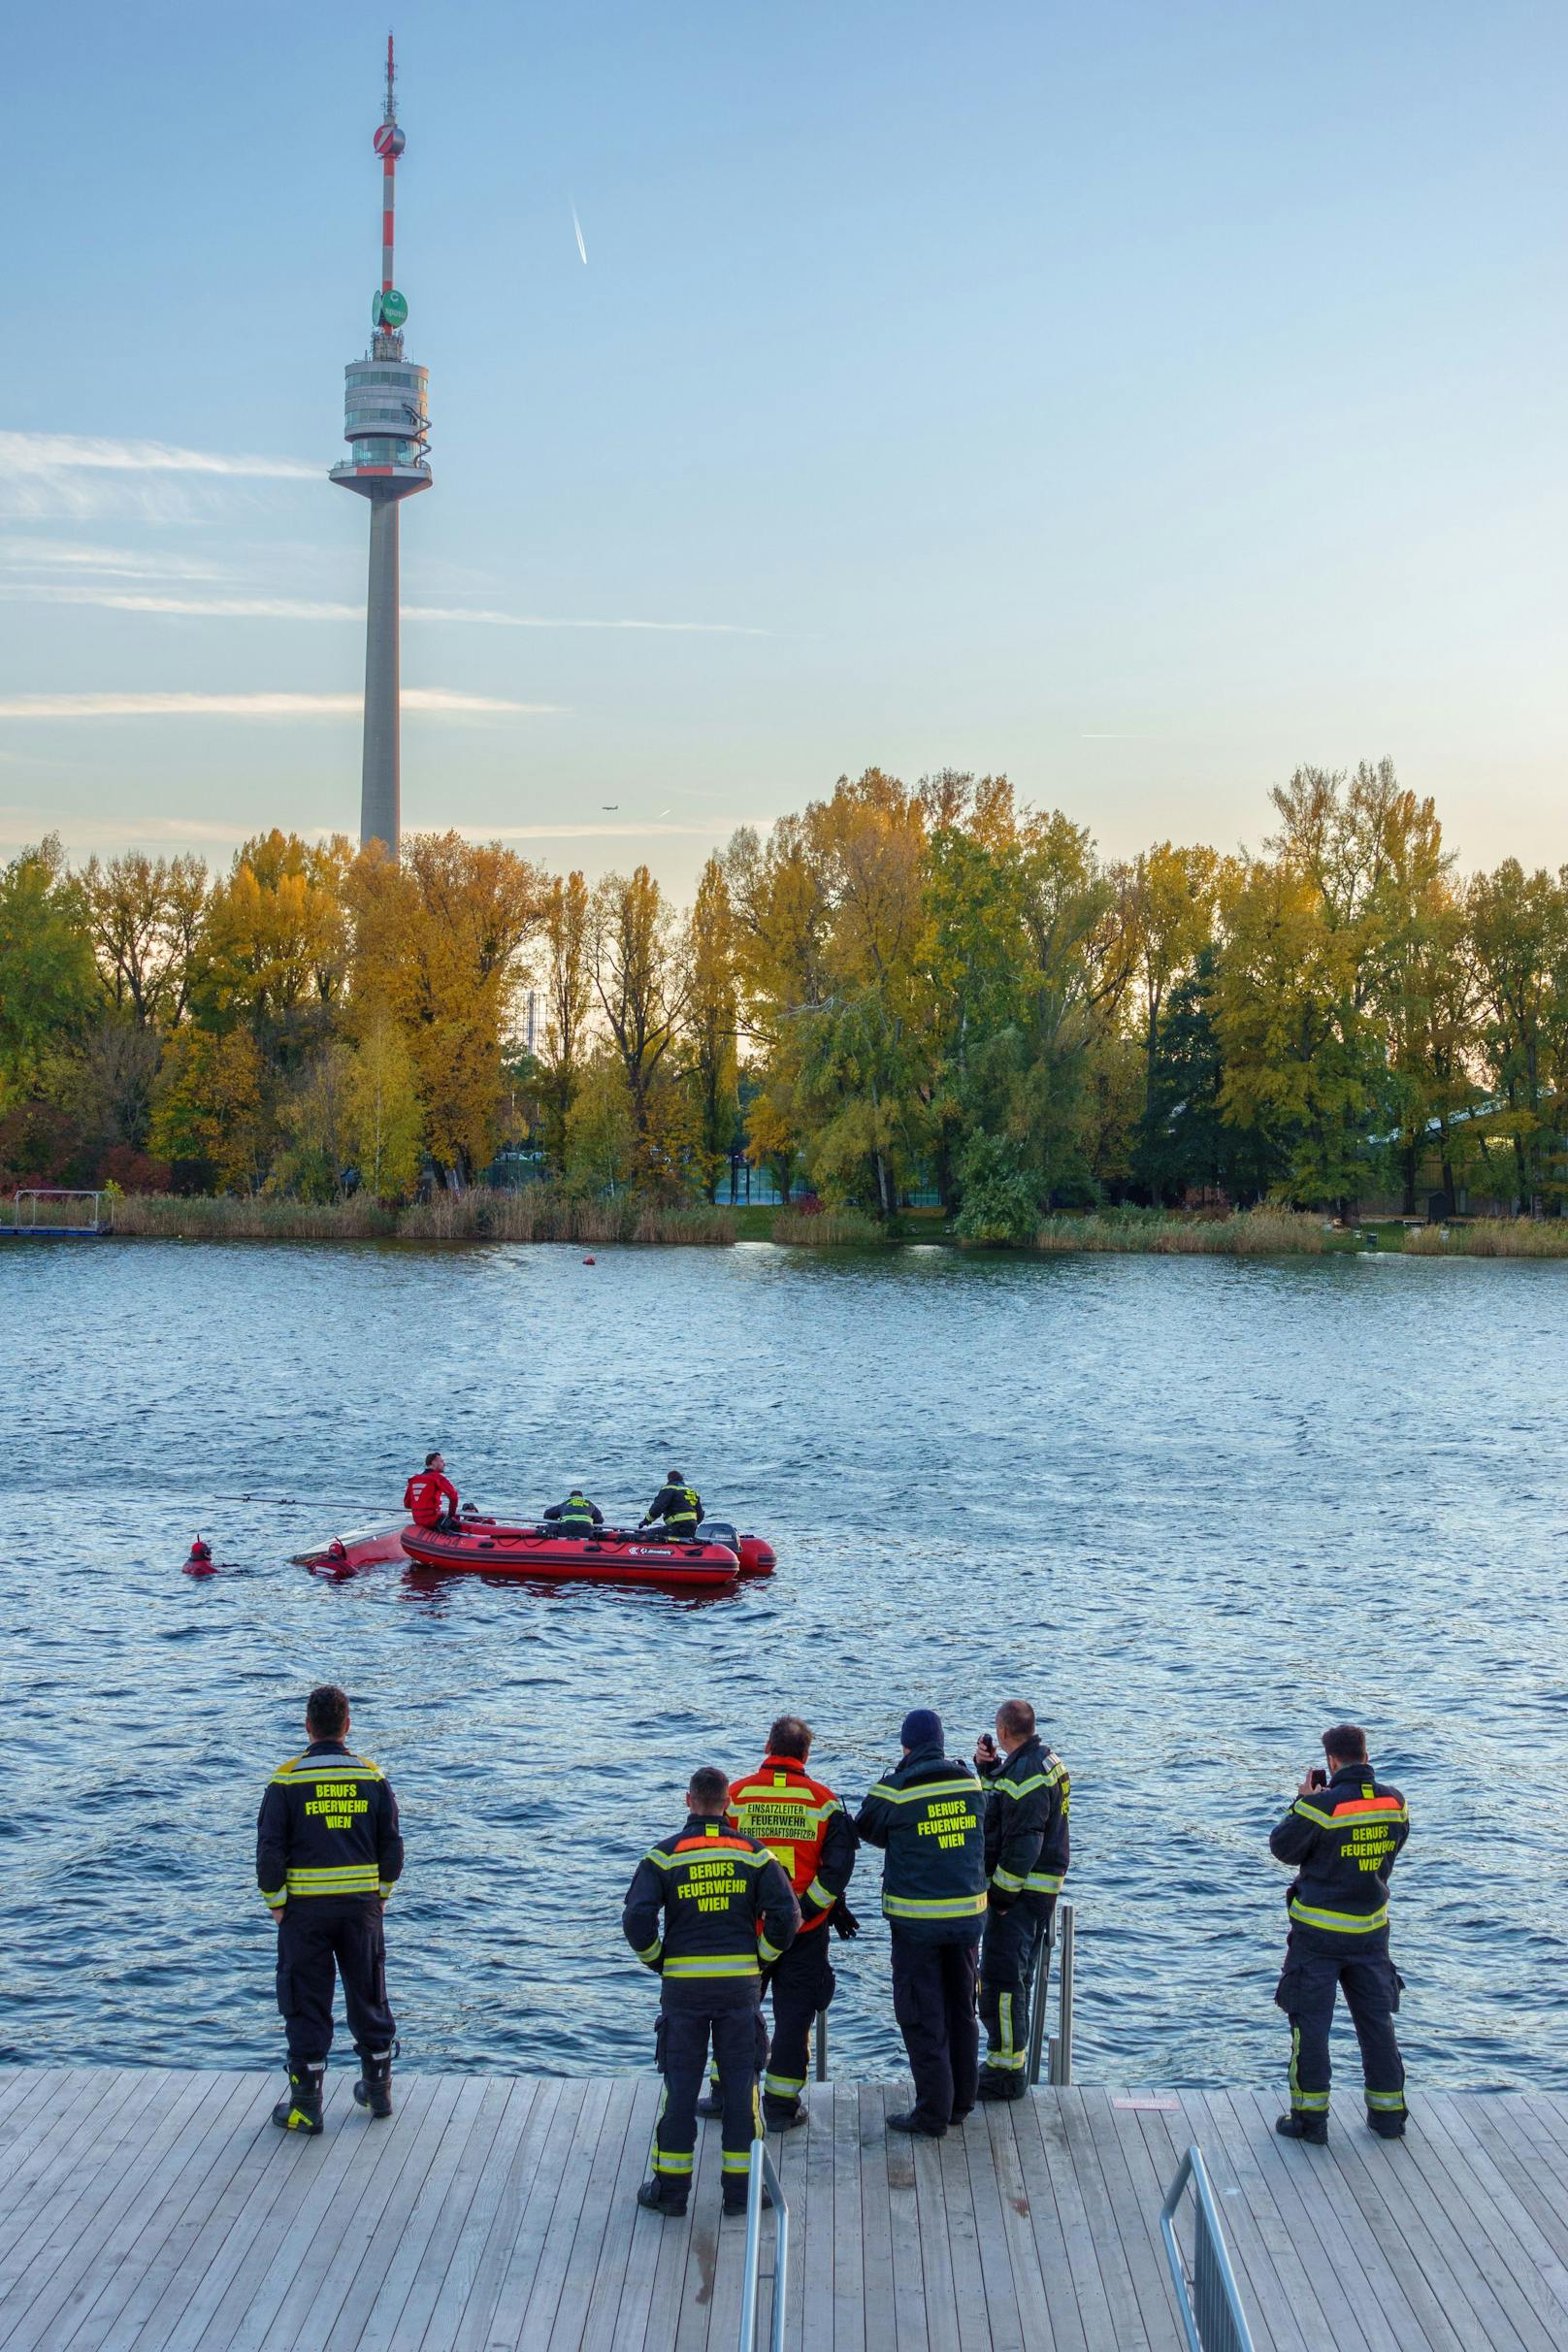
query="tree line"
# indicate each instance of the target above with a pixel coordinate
(899, 986)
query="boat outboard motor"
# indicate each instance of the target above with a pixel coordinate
(719, 1531)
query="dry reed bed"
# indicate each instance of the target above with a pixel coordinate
(1249, 1234)
(535, 1215)
(1491, 1237)
(828, 1228)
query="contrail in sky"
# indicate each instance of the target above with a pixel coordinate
(581, 247)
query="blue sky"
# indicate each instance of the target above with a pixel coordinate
(1140, 399)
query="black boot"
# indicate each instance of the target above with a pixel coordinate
(781, 2115)
(661, 2195)
(1386, 2124)
(299, 2109)
(1313, 2129)
(999, 2083)
(374, 2090)
(710, 2104)
(735, 2197)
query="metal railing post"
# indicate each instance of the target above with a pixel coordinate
(1063, 2033)
(1042, 1978)
(1209, 2301)
(764, 2172)
(822, 2046)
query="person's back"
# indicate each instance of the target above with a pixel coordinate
(927, 1815)
(577, 1516)
(707, 1909)
(1026, 1852)
(329, 1850)
(679, 1506)
(804, 1825)
(1342, 1836)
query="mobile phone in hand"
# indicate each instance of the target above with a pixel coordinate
(1317, 1777)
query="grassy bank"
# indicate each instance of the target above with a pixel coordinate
(537, 1214)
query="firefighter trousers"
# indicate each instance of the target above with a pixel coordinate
(1314, 1972)
(320, 1937)
(802, 1983)
(682, 2043)
(1009, 1957)
(933, 2002)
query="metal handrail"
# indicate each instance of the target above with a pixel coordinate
(1209, 2302)
(763, 2170)
(1060, 2067)
(822, 2046)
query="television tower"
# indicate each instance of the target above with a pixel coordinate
(386, 424)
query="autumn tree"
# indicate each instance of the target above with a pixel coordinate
(1518, 946)
(568, 1003)
(145, 916)
(383, 1116)
(209, 1107)
(642, 981)
(714, 1021)
(439, 941)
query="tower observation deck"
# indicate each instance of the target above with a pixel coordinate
(386, 424)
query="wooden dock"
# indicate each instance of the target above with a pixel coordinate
(161, 2210)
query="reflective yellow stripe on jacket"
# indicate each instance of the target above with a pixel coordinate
(351, 1879)
(938, 1907)
(1339, 1923)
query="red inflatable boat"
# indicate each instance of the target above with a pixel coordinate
(609, 1555)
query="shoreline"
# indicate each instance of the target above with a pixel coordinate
(541, 1215)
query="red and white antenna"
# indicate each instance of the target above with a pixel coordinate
(389, 146)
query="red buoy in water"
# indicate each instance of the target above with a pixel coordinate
(588, 1261)
(199, 1560)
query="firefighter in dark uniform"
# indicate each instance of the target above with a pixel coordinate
(929, 1816)
(577, 1516)
(678, 1505)
(809, 1832)
(728, 1911)
(1342, 1836)
(1027, 1794)
(328, 1855)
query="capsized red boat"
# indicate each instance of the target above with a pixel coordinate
(610, 1555)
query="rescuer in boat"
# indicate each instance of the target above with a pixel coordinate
(430, 1497)
(577, 1516)
(1343, 1834)
(929, 1816)
(1027, 1801)
(808, 1830)
(728, 1912)
(678, 1505)
(328, 1855)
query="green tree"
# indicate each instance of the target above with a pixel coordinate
(48, 981)
(383, 1116)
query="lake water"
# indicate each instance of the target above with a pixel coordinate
(1196, 1508)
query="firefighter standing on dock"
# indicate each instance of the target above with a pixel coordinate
(1026, 1800)
(328, 1855)
(809, 1832)
(1343, 1834)
(707, 1909)
(929, 1816)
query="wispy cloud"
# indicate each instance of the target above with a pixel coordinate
(19, 554)
(69, 452)
(156, 705)
(302, 609)
(23, 824)
(80, 474)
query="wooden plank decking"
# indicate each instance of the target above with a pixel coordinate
(161, 2213)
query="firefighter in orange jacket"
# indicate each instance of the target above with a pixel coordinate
(804, 1824)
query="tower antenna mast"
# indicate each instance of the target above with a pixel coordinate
(386, 424)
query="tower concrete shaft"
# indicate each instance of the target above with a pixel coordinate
(387, 407)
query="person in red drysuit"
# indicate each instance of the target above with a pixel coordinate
(430, 1495)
